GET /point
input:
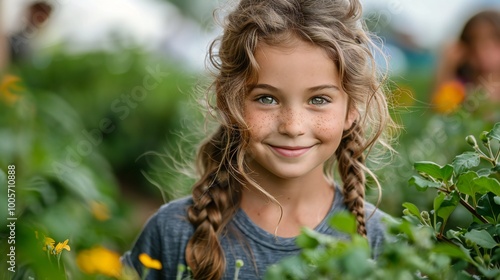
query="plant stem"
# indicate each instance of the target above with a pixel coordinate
(473, 211)
(468, 207)
(145, 273)
(490, 151)
(480, 152)
(490, 160)
(441, 237)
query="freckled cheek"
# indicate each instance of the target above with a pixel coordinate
(328, 128)
(260, 124)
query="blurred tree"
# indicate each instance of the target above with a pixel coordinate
(197, 9)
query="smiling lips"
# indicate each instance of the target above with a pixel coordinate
(287, 151)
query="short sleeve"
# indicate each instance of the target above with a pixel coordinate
(149, 242)
(163, 238)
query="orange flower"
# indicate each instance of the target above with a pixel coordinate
(99, 260)
(7, 85)
(148, 262)
(448, 97)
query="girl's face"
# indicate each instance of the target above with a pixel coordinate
(296, 111)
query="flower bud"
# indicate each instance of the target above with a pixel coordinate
(406, 212)
(471, 140)
(425, 215)
(486, 258)
(239, 263)
(484, 137)
(469, 243)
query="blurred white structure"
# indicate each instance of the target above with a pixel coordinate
(79, 26)
(158, 26)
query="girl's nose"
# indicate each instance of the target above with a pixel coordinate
(291, 122)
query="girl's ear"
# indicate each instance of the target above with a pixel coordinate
(352, 115)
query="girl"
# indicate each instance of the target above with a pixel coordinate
(474, 60)
(296, 91)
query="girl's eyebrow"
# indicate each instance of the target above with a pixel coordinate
(321, 87)
(311, 89)
(264, 86)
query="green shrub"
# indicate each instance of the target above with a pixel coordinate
(420, 246)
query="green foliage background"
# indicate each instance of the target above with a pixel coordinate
(65, 99)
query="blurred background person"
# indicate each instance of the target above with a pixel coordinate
(472, 61)
(3, 46)
(36, 15)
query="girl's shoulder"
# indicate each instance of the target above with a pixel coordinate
(173, 214)
(179, 205)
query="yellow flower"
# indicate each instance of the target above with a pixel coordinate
(60, 246)
(448, 97)
(7, 85)
(99, 260)
(99, 210)
(48, 243)
(148, 262)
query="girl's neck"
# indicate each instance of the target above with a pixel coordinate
(304, 203)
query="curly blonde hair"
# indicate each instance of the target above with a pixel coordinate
(336, 27)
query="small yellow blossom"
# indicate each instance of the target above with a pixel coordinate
(148, 262)
(7, 85)
(60, 246)
(48, 243)
(99, 260)
(99, 210)
(448, 97)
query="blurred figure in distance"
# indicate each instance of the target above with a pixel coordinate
(37, 14)
(474, 60)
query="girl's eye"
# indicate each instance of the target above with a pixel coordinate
(318, 101)
(266, 100)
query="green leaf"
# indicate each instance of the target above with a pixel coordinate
(490, 273)
(344, 222)
(434, 170)
(447, 172)
(481, 238)
(444, 205)
(310, 238)
(465, 183)
(306, 241)
(484, 172)
(495, 132)
(412, 208)
(452, 251)
(490, 184)
(422, 184)
(487, 207)
(438, 200)
(465, 161)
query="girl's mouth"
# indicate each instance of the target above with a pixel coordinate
(287, 151)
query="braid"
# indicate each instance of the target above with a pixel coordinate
(214, 203)
(351, 161)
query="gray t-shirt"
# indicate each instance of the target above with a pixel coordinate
(167, 232)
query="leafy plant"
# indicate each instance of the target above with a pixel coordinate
(419, 246)
(471, 181)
